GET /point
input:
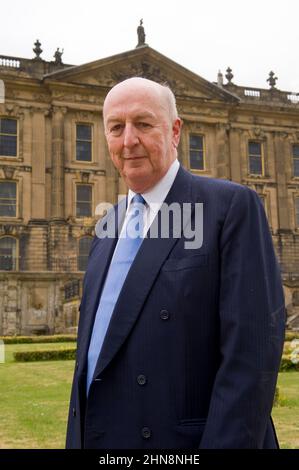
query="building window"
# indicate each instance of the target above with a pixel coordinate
(296, 159)
(83, 200)
(297, 211)
(196, 152)
(8, 137)
(83, 142)
(255, 156)
(72, 290)
(84, 248)
(8, 254)
(8, 199)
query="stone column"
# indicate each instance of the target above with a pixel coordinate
(235, 155)
(38, 181)
(282, 194)
(223, 157)
(57, 196)
(183, 148)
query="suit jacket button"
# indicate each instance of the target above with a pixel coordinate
(77, 365)
(141, 379)
(146, 433)
(74, 412)
(164, 315)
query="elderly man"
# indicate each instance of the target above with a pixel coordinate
(178, 346)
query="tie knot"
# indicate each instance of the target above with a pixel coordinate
(138, 199)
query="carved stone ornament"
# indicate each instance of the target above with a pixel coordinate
(59, 109)
(87, 231)
(58, 56)
(258, 133)
(84, 177)
(272, 80)
(83, 115)
(259, 188)
(196, 126)
(13, 230)
(40, 97)
(141, 35)
(229, 75)
(146, 70)
(37, 50)
(8, 172)
(13, 110)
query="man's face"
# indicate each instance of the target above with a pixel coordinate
(141, 137)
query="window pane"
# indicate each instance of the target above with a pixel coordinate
(84, 248)
(84, 245)
(196, 142)
(196, 153)
(255, 165)
(83, 132)
(83, 209)
(196, 160)
(7, 254)
(8, 199)
(83, 151)
(84, 201)
(8, 189)
(8, 145)
(8, 126)
(296, 150)
(83, 193)
(72, 289)
(297, 210)
(255, 148)
(296, 167)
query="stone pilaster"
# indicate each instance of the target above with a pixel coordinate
(38, 162)
(280, 150)
(235, 155)
(37, 245)
(57, 196)
(223, 157)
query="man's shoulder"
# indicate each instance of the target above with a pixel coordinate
(220, 187)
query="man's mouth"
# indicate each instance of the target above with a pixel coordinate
(133, 157)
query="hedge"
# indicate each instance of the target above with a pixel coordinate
(287, 364)
(49, 355)
(38, 339)
(70, 354)
(290, 335)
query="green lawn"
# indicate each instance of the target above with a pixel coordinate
(286, 414)
(34, 399)
(35, 396)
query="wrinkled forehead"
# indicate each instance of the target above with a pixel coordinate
(134, 97)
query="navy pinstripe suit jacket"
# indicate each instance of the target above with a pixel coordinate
(193, 348)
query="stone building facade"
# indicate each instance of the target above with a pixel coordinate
(55, 169)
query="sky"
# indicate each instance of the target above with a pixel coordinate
(205, 36)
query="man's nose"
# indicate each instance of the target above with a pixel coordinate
(130, 136)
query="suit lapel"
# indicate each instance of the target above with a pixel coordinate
(152, 254)
(96, 274)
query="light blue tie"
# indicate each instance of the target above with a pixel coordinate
(124, 254)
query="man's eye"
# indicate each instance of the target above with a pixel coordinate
(143, 125)
(116, 129)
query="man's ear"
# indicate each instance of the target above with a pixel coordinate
(176, 132)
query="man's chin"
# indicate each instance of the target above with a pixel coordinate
(138, 181)
(137, 162)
